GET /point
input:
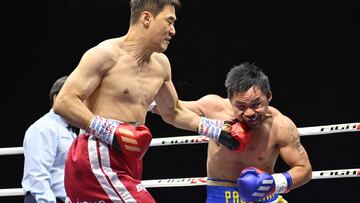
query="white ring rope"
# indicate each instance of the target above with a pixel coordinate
(200, 181)
(198, 139)
(11, 150)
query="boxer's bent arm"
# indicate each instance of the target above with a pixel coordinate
(206, 105)
(200, 106)
(194, 106)
(295, 155)
(80, 84)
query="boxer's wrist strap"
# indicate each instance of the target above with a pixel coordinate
(103, 128)
(210, 128)
(283, 182)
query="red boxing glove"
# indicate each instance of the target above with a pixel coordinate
(237, 131)
(133, 140)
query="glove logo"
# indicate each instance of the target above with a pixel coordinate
(133, 140)
(263, 189)
(127, 137)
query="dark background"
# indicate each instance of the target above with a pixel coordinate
(309, 51)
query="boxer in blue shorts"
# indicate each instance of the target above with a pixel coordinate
(268, 134)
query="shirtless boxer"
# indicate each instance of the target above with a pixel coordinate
(247, 174)
(108, 94)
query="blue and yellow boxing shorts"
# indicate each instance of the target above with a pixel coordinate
(224, 191)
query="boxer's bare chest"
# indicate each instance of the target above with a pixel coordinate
(262, 153)
(136, 83)
(262, 150)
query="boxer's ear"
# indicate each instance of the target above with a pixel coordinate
(146, 18)
(269, 96)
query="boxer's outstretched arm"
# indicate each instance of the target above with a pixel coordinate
(170, 108)
(172, 111)
(168, 104)
(179, 116)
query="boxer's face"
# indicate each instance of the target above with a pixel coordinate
(161, 28)
(250, 106)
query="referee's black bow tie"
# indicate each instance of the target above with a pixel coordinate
(73, 129)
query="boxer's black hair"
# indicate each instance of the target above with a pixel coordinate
(242, 77)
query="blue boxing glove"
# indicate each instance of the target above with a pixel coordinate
(254, 184)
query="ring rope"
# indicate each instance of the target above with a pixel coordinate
(198, 139)
(200, 181)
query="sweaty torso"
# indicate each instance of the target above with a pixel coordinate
(261, 153)
(128, 87)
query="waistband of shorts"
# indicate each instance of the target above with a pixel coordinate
(230, 183)
(267, 198)
(219, 182)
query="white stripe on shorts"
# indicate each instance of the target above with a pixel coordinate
(104, 174)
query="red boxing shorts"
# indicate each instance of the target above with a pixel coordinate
(96, 173)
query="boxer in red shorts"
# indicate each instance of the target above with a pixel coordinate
(111, 87)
